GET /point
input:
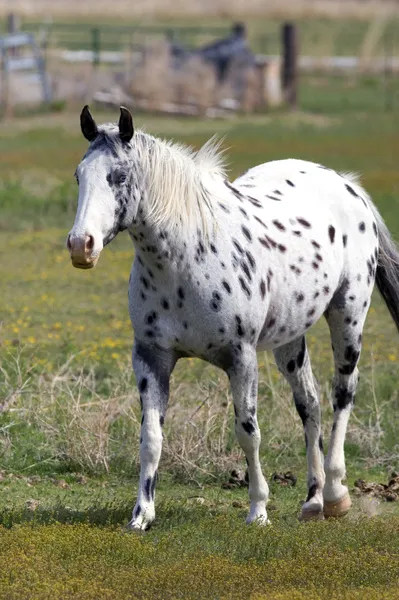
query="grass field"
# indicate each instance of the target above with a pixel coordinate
(69, 414)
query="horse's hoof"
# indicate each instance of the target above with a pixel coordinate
(337, 509)
(311, 514)
(260, 520)
(137, 527)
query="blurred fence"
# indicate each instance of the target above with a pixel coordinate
(342, 65)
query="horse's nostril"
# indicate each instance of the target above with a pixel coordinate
(69, 245)
(89, 242)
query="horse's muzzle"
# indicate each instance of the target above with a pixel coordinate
(81, 251)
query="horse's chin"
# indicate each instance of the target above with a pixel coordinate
(85, 265)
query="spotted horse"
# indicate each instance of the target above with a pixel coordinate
(222, 270)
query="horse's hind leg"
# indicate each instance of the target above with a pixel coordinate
(293, 361)
(345, 316)
(243, 374)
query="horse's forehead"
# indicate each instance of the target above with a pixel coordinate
(98, 158)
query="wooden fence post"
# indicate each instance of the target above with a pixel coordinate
(13, 23)
(290, 64)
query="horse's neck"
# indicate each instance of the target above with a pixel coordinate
(157, 248)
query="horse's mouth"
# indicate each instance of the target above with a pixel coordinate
(84, 265)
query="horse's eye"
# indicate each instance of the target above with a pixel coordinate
(120, 178)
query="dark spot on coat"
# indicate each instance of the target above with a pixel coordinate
(331, 233)
(226, 286)
(246, 271)
(362, 226)
(264, 243)
(239, 328)
(216, 301)
(301, 409)
(244, 287)
(312, 492)
(251, 260)
(153, 484)
(279, 225)
(260, 221)
(143, 385)
(291, 366)
(147, 489)
(271, 241)
(303, 222)
(145, 282)
(246, 232)
(301, 355)
(289, 183)
(295, 269)
(262, 287)
(238, 246)
(351, 190)
(224, 208)
(269, 278)
(151, 317)
(351, 356)
(344, 240)
(248, 427)
(342, 398)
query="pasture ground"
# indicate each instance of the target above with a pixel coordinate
(69, 415)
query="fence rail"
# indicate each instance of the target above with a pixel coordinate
(97, 38)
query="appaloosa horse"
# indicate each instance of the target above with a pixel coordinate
(223, 269)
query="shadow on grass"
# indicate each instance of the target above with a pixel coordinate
(169, 514)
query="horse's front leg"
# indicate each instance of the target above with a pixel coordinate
(152, 367)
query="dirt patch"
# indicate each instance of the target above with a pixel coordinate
(236, 479)
(285, 479)
(388, 492)
(240, 479)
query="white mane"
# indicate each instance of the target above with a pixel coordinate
(180, 179)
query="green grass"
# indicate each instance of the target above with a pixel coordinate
(69, 426)
(212, 557)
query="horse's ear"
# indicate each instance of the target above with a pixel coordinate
(126, 129)
(88, 124)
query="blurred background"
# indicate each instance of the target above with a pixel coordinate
(200, 58)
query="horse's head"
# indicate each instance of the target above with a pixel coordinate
(108, 195)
